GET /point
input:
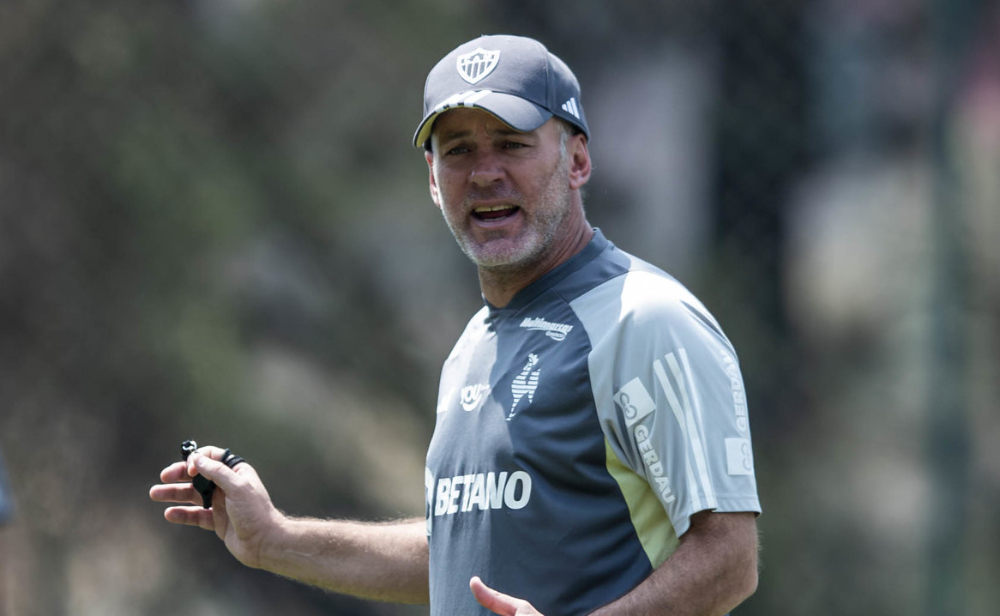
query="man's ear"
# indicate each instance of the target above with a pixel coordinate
(579, 161)
(435, 195)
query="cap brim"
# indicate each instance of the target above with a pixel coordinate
(514, 111)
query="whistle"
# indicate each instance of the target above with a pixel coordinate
(204, 486)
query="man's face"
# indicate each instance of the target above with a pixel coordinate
(504, 194)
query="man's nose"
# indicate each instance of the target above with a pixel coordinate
(486, 170)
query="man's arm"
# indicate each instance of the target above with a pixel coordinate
(712, 571)
(387, 562)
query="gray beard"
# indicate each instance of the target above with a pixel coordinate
(548, 222)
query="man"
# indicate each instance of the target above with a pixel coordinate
(592, 448)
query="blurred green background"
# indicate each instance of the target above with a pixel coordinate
(213, 226)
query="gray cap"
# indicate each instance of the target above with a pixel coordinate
(513, 77)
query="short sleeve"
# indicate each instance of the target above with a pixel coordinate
(670, 395)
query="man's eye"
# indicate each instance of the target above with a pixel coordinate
(458, 149)
(513, 145)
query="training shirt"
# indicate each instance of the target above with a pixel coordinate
(578, 429)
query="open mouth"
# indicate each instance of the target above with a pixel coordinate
(494, 212)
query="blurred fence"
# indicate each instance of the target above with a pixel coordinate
(212, 226)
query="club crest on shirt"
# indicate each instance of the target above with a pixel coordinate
(525, 384)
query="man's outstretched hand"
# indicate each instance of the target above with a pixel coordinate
(499, 603)
(241, 514)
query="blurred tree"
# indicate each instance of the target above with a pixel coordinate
(760, 150)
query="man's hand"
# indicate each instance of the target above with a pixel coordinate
(242, 514)
(499, 603)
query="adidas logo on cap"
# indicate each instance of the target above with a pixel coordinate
(571, 108)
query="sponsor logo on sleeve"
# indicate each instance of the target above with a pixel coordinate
(739, 457)
(657, 476)
(635, 401)
(738, 393)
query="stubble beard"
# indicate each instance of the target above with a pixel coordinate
(541, 226)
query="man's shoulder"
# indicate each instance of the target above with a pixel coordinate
(647, 290)
(641, 287)
(607, 270)
(641, 296)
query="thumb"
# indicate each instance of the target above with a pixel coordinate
(212, 469)
(499, 603)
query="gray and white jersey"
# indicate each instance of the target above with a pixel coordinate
(578, 429)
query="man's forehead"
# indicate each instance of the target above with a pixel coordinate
(466, 121)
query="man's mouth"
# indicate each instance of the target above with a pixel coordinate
(494, 212)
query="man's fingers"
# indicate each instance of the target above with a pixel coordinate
(175, 472)
(213, 469)
(175, 493)
(185, 470)
(176, 478)
(499, 603)
(190, 516)
(210, 452)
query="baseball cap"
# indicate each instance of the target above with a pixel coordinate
(513, 77)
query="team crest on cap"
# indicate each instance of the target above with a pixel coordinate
(477, 64)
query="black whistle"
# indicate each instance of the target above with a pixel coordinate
(204, 486)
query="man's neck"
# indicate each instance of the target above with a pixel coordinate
(500, 285)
